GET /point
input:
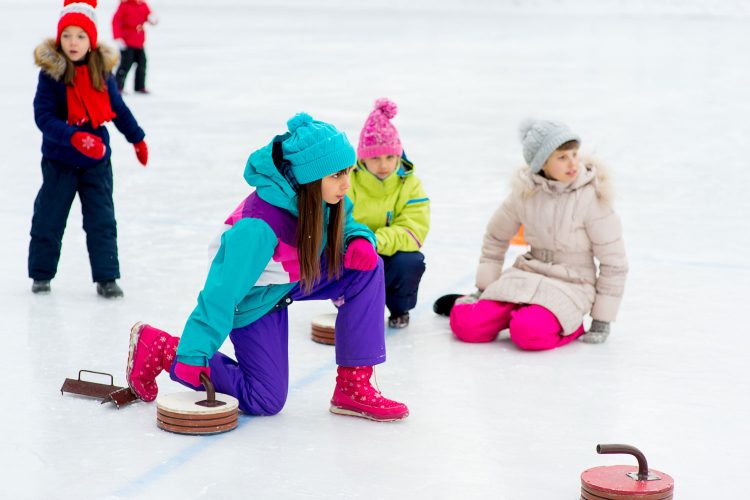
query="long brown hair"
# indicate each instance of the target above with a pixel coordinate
(95, 63)
(310, 235)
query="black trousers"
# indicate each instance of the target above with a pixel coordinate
(60, 183)
(127, 58)
(403, 272)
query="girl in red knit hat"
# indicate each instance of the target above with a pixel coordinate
(76, 95)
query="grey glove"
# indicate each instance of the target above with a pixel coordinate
(597, 333)
(469, 299)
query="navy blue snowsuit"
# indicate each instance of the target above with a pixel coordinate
(65, 172)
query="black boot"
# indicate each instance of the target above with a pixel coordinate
(398, 321)
(41, 286)
(109, 289)
(444, 304)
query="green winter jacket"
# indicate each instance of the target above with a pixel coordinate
(396, 209)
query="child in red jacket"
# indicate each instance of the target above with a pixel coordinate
(127, 29)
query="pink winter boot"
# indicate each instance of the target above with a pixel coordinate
(355, 396)
(151, 351)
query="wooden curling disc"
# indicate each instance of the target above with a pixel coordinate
(179, 413)
(323, 340)
(191, 422)
(323, 329)
(613, 483)
(179, 429)
(171, 414)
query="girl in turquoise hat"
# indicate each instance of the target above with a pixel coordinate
(292, 239)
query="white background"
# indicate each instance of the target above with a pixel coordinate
(657, 89)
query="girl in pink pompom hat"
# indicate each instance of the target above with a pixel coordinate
(379, 136)
(390, 200)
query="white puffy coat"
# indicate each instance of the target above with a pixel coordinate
(568, 226)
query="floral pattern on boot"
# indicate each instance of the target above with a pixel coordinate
(151, 351)
(355, 396)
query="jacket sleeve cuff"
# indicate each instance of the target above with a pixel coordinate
(379, 241)
(193, 360)
(487, 273)
(137, 137)
(369, 236)
(605, 307)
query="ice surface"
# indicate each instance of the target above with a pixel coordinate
(657, 89)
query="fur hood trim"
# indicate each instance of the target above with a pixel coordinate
(53, 63)
(594, 172)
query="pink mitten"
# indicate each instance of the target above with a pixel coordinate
(360, 255)
(191, 374)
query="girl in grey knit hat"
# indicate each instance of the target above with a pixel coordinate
(564, 205)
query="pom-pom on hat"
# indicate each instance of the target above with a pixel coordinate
(540, 138)
(379, 136)
(81, 13)
(315, 149)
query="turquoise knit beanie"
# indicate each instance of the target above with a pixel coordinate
(315, 149)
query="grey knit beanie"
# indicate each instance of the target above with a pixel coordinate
(540, 138)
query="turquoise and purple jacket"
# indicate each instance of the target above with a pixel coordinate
(255, 264)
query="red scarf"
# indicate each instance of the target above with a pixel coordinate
(85, 103)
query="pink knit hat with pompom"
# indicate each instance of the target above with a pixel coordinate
(379, 136)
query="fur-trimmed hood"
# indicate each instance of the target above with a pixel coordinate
(53, 62)
(592, 171)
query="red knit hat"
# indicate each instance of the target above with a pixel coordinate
(81, 13)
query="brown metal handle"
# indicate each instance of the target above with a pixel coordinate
(606, 449)
(111, 378)
(210, 391)
(210, 400)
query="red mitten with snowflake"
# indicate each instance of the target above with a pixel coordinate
(141, 152)
(88, 144)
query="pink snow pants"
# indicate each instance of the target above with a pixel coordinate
(532, 327)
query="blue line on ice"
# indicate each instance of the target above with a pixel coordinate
(138, 484)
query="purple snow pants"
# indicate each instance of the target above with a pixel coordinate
(259, 378)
